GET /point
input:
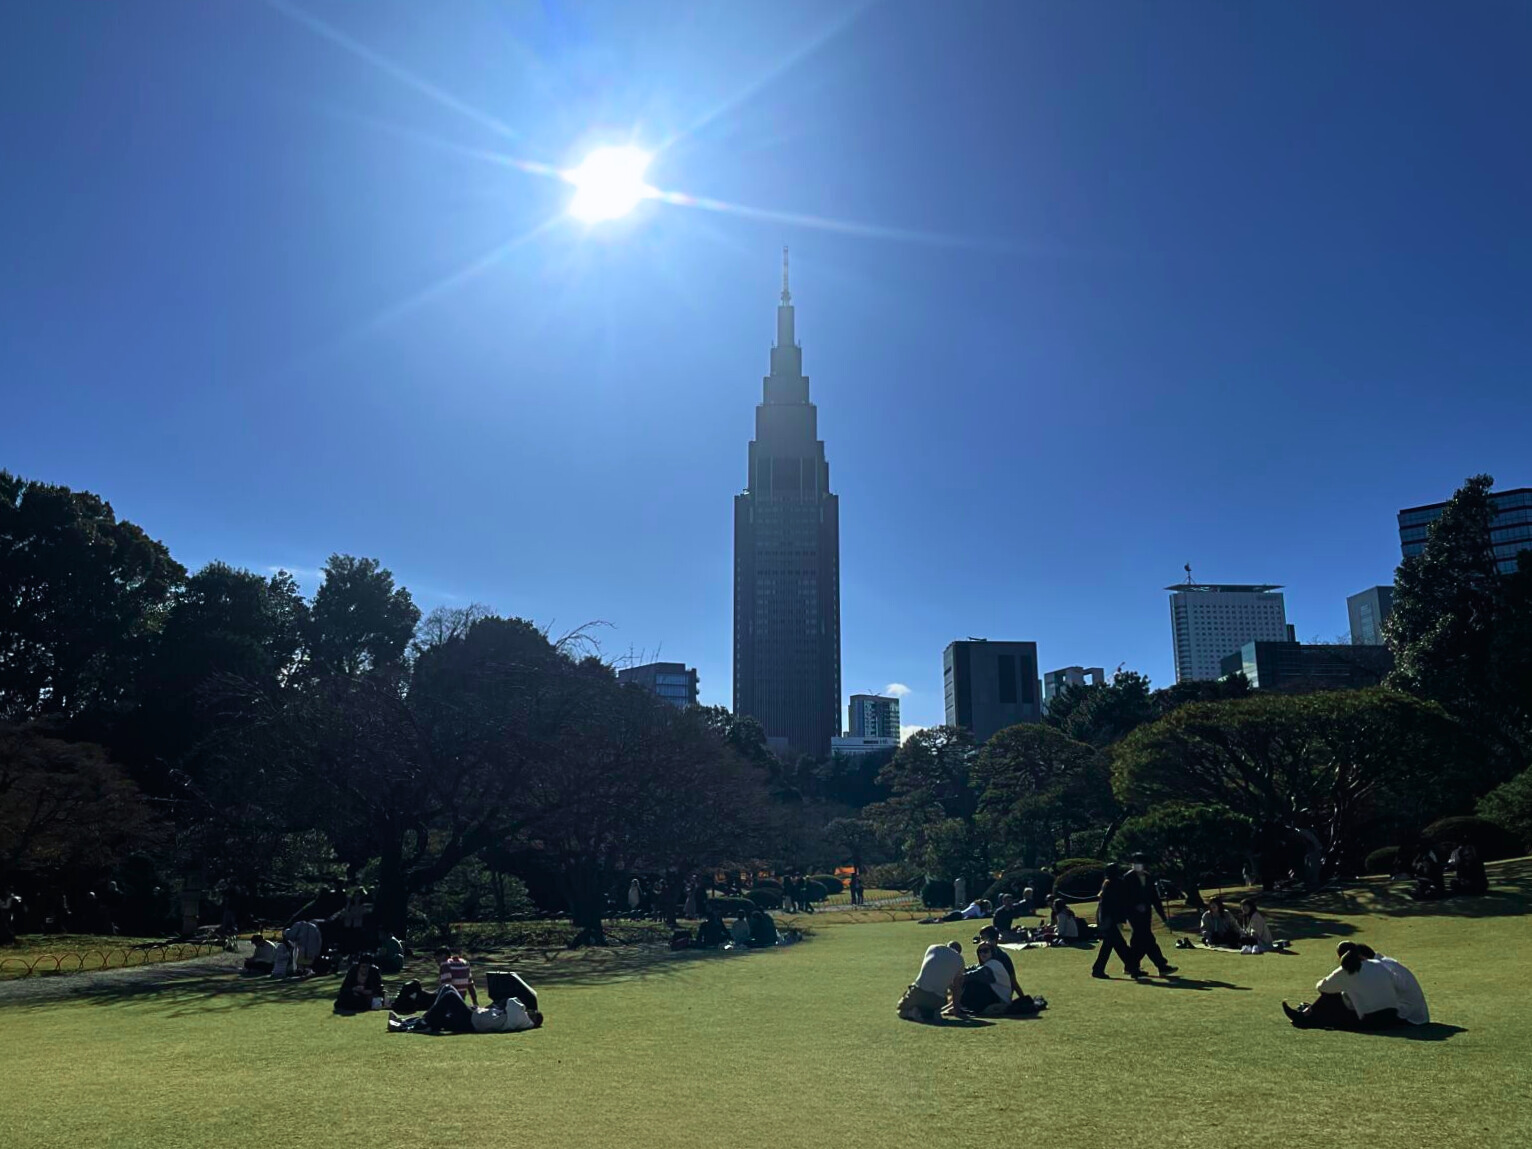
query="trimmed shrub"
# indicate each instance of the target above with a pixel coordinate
(1015, 881)
(812, 889)
(767, 884)
(936, 894)
(1510, 805)
(1382, 861)
(733, 907)
(1064, 864)
(765, 899)
(1083, 881)
(830, 882)
(1492, 840)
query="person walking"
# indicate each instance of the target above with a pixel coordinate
(1108, 919)
(1139, 896)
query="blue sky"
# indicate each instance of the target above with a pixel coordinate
(1120, 286)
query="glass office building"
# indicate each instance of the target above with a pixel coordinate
(1510, 531)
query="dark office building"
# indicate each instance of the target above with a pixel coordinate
(675, 682)
(1297, 668)
(1510, 531)
(787, 563)
(1366, 612)
(990, 685)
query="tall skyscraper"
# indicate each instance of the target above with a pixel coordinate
(1367, 611)
(990, 685)
(1210, 621)
(787, 563)
(1510, 531)
(872, 716)
(675, 682)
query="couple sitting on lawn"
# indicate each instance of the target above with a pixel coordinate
(945, 986)
(1367, 991)
(1222, 930)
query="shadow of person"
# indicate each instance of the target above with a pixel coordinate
(1431, 1031)
(1175, 981)
(947, 1021)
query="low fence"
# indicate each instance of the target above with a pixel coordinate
(95, 959)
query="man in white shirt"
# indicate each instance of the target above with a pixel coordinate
(1412, 999)
(1360, 994)
(508, 1016)
(939, 981)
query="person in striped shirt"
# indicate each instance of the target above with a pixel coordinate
(453, 970)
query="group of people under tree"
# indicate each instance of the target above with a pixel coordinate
(453, 1005)
(1429, 870)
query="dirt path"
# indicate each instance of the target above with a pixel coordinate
(139, 977)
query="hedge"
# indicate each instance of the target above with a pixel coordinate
(1064, 864)
(1083, 881)
(812, 889)
(830, 882)
(767, 884)
(765, 899)
(1382, 861)
(1492, 840)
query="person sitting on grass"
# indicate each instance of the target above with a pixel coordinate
(1219, 926)
(990, 936)
(390, 954)
(1256, 937)
(740, 930)
(712, 933)
(763, 930)
(939, 984)
(1468, 871)
(264, 957)
(1005, 917)
(363, 985)
(1065, 923)
(449, 1013)
(1412, 999)
(1359, 994)
(453, 970)
(987, 987)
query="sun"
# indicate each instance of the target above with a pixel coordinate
(609, 184)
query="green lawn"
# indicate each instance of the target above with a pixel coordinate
(800, 1047)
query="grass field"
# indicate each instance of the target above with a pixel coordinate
(800, 1047)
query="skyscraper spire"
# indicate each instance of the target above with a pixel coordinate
(786, 295)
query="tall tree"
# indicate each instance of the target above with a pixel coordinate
(1194, 843)
(359, 620)
(1102, 715)
(81, 597)
(1452, 615)
(1022, 774)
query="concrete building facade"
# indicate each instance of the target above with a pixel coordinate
(787, 563)
(1209, 621)
(1055, 680)
(990, 685)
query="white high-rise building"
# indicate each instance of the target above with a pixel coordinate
(1209, 621)
(1055, 680)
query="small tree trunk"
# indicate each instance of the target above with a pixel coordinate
(392, 898)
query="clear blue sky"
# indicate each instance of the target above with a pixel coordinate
(1129, 285)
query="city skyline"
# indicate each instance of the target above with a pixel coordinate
(296, 297)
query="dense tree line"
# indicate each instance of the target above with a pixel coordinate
(220, 724)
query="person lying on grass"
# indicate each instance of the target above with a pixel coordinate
(978, 908)
(362, 987)
(1359, 994)
(451, 1014)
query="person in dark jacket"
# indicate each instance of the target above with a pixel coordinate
(1108, 919)
(363, 985)
(1139, 895)
(712, 933)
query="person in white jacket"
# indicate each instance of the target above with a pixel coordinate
(1412, 999)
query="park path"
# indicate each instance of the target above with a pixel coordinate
(145, 977)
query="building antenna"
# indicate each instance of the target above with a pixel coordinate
(786, 297)
(1188, 569)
